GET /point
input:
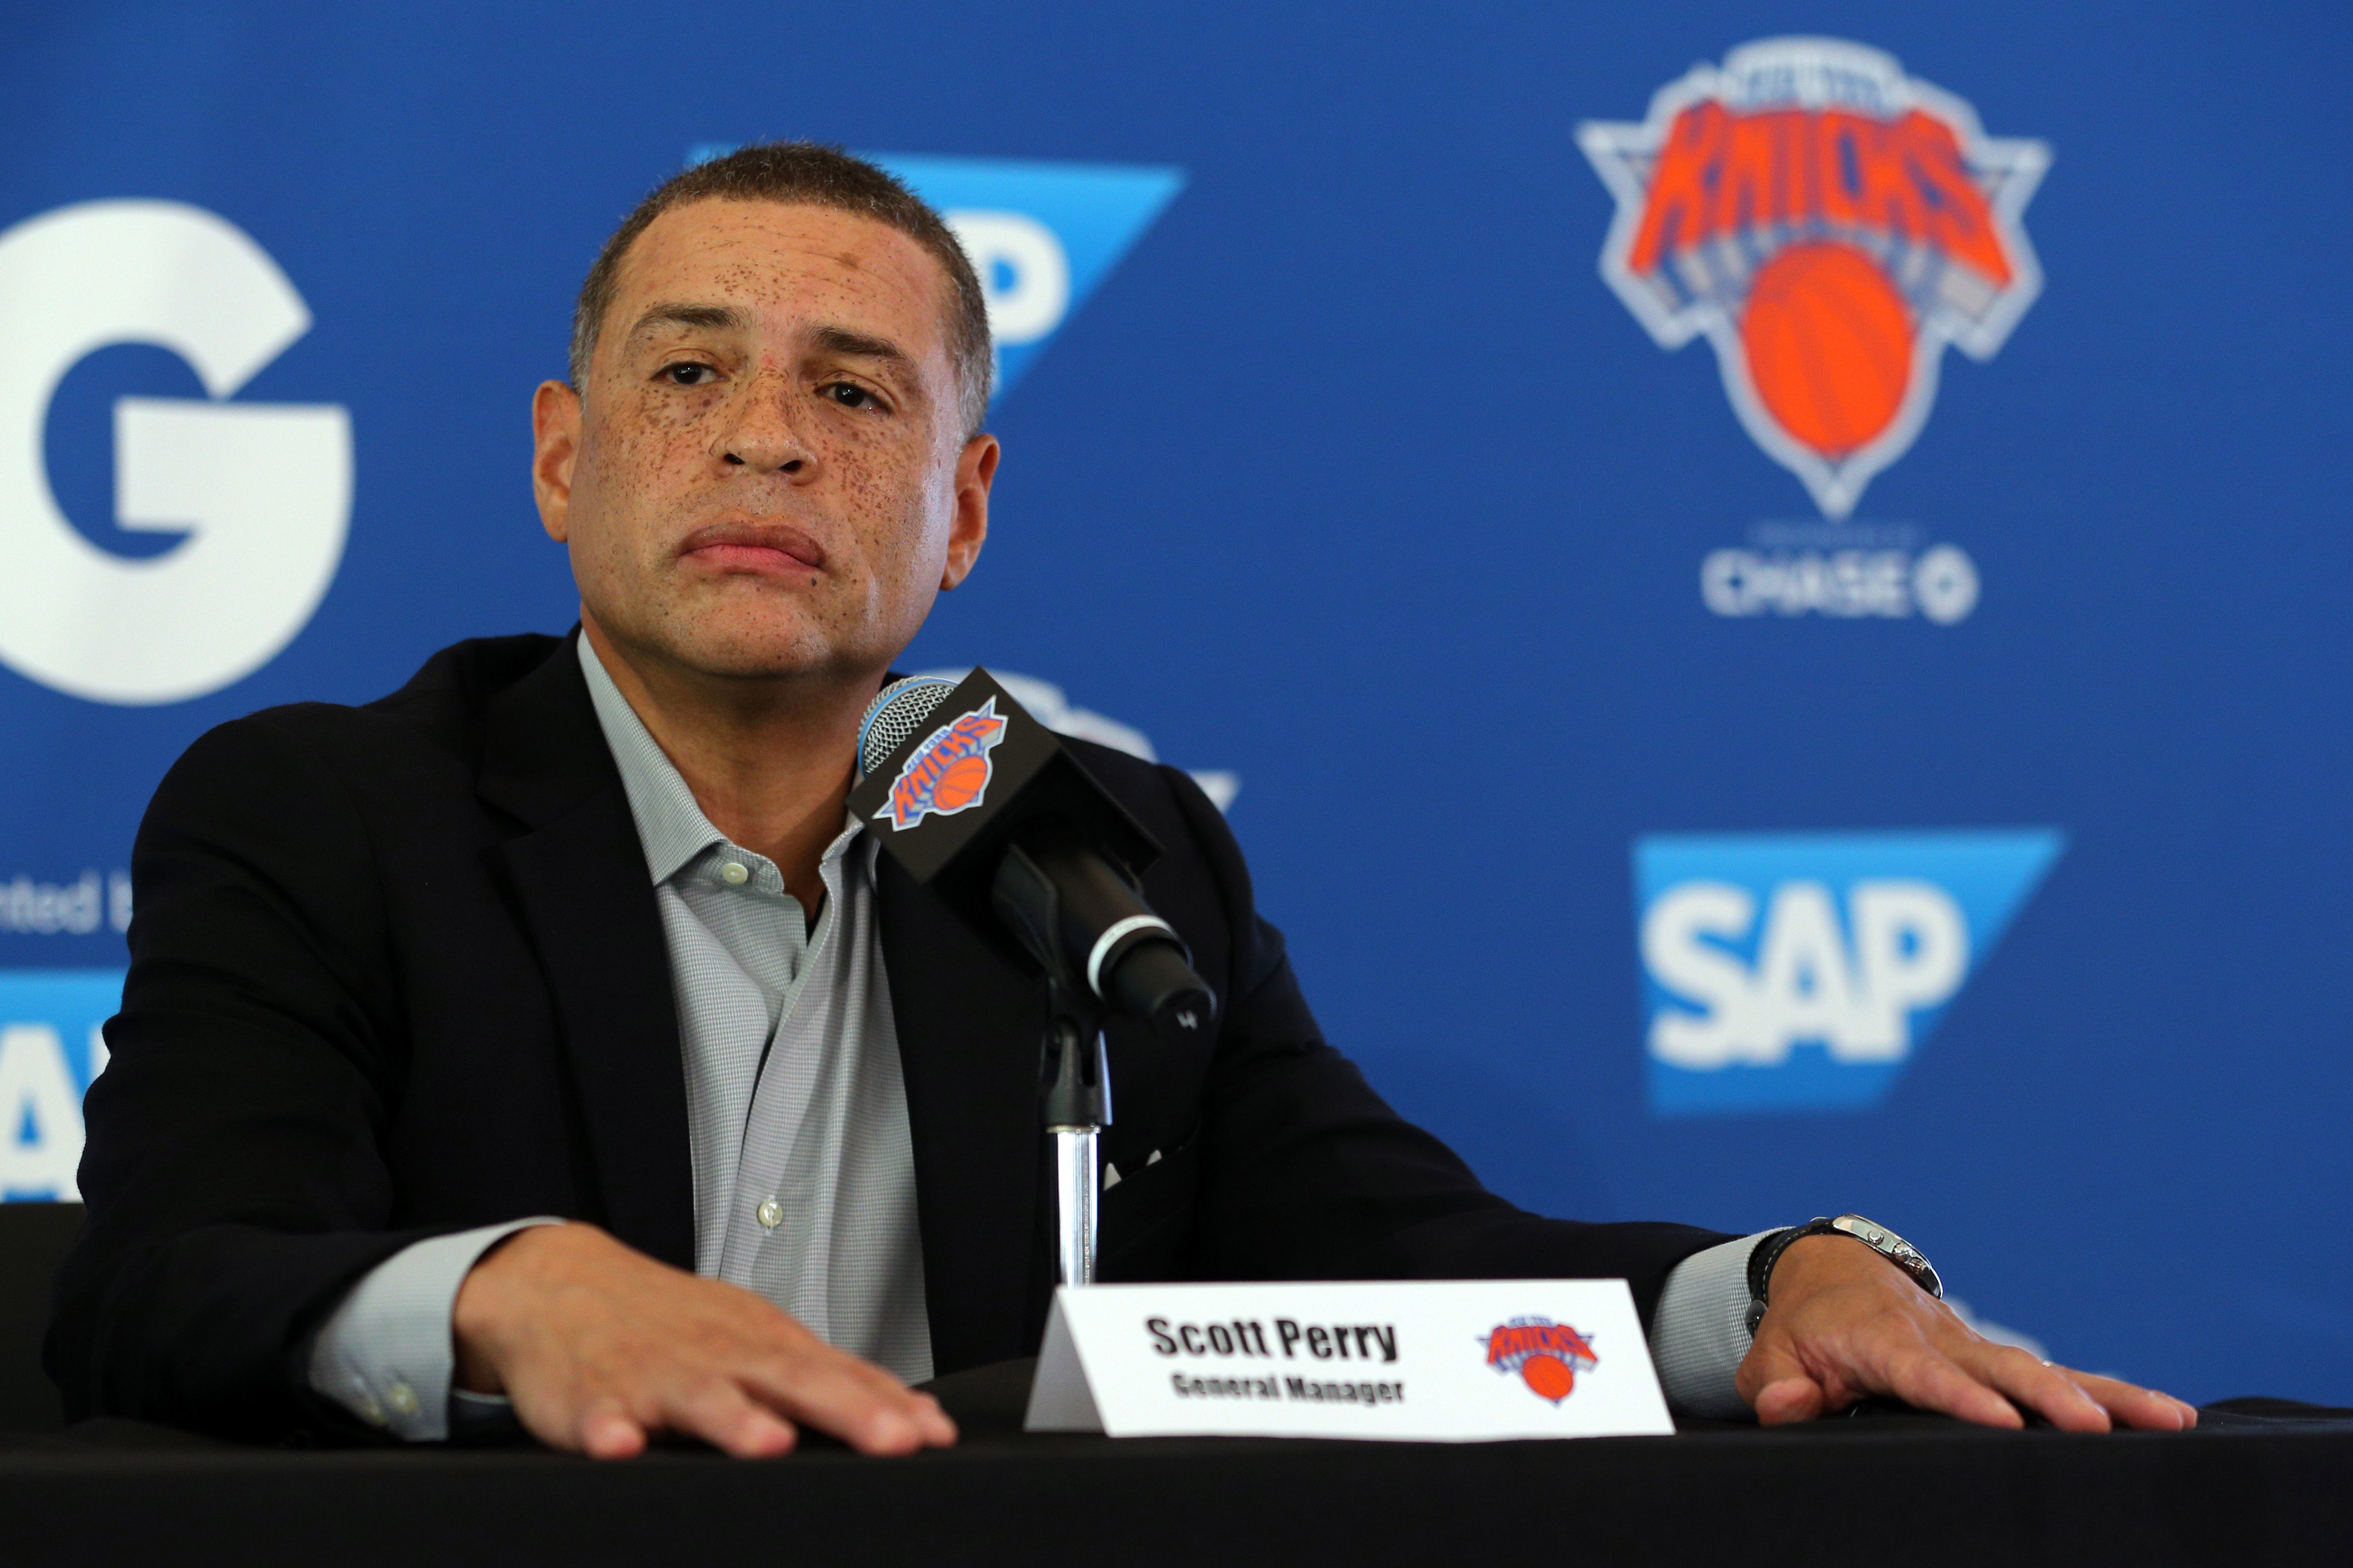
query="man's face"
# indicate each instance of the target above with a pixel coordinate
(765, 474)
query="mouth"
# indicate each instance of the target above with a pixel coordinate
(760, 547)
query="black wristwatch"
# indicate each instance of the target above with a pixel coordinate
(1877, 1238)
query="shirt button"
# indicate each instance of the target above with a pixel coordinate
(734, 873)
(770, 1214)
(401, 1397)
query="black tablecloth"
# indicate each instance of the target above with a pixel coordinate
(2260, 1481)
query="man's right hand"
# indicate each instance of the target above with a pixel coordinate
(600, 1346)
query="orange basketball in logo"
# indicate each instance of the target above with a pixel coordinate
(1549, 1376)
(1829, 343)
(965, 778)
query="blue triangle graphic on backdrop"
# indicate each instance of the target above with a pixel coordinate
(1043, 235)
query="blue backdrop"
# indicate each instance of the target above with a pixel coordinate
(1833, 700)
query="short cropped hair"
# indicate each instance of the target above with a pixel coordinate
(809, 174)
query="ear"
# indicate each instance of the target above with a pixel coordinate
(976, 472)
(555, 442)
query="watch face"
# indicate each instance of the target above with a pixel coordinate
(1893, 1247)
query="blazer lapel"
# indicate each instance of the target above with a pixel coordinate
(969, 1029)
(580, 876)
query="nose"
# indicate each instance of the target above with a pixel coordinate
(762, 434)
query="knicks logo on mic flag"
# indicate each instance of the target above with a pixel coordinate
(1830, 224)
(949, 772)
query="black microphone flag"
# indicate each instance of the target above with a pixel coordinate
(986, 806)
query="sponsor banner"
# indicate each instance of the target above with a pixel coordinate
(1420, 1360)
(1779, 477)
(1789, 972)
(51, 1048)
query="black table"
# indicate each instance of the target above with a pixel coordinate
(2258, 1482)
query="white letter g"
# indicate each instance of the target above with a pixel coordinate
(264, 489)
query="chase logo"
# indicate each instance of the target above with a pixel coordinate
(1042, 235)
(50, 1050)
(1799, 972)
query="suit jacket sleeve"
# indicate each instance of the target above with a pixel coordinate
(234, 1169)
(1306, 1173)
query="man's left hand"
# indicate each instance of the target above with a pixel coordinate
(1844, 1323)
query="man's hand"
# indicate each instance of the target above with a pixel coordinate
(1845, 1323)
(600, 1346)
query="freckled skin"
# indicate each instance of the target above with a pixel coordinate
(763, 486)
(865, 455)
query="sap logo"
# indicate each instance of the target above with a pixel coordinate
(262, 492)
(1041, 236)
(51, 1050)
(1799, 972)
(1050, 706)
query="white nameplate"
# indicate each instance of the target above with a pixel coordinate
(1446, 1361)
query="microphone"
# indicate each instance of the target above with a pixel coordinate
(986, 807)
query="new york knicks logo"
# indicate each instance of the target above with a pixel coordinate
(949, 772)
(1830, 224)
(1547, 1355)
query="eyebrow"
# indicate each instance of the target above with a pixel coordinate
(704, 318)
(725, 318)
(841, 341)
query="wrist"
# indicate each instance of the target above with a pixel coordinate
(1811, 1261)
(478, 1315)
(1812, 1240)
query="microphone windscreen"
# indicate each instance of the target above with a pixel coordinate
(898, 711)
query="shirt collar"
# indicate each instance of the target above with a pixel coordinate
(669, 824)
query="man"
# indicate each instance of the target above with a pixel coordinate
(547, 1037)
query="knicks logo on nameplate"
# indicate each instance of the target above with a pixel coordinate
(949, 772)
(1547, 1355)
(1830, 224)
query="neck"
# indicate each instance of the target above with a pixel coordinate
(768, 761)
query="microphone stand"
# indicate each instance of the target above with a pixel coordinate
(1075, 1076)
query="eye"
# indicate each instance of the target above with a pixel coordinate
(687, 373)
(849, 395)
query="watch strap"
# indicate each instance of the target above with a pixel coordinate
(1876, 1237)
(1766, 1254)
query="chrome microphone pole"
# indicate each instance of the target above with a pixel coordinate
(1076, 1076)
